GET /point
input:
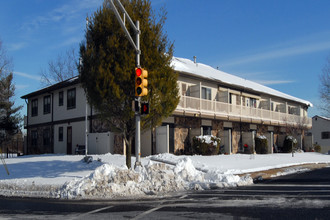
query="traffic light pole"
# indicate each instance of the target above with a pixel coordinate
(136, 46)
(137, 114)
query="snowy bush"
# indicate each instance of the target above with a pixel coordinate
(206, 145)
(261, 144)
(290, 143)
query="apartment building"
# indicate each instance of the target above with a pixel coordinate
(321, 132)
(211, 102)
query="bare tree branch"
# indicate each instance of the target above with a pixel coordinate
(65, 66)
(325, 88)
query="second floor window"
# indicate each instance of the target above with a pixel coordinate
(206, 93)
(71, 98)
(47, 104)
(60, 98)
(253, 103)
(34, 107)
(291, 110)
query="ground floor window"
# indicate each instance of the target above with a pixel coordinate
(34, 138)
(207, 130)
(60, 134)
(46, 137)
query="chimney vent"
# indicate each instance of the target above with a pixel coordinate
(195, 59)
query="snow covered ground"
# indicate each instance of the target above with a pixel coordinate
(64, 176)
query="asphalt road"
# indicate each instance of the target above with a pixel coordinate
(298, 196)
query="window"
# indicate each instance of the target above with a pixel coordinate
(291, 110)
(46, 137)
(60, 98)
(60, 134)
(34, 138)
(34, 105)
(325, 135)
(47, 104)
(184, 89)
(71, 98)
(253, 103)
(206, 93)
(207, 130)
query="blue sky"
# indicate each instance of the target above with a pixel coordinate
(281, 44)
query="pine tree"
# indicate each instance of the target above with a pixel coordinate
(9, 114)
(108, 64)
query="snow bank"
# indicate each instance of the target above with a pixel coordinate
(64, 176)
(111, 181)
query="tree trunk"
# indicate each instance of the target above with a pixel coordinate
(128, 142)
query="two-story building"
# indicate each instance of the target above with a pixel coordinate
(321, 132)
(212, 102)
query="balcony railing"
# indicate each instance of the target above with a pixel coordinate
(221, 109)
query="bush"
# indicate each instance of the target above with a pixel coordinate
(289, 142)
(317, 148)
(206, 145)
(261, 145)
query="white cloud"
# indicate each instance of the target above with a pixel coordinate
(293, 50)
(29, 76)
(262, 77)
(16, 46)
(20, 86)
(273, 82)
(64, 13)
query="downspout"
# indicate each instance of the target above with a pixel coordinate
(91, 120)
(27, 127)
(52, 124)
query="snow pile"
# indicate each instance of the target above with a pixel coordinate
(110, 181)
(261, 137)
(208, 139)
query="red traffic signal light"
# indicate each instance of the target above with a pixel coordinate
(141, 82)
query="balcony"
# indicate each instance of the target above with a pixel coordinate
(192, 106)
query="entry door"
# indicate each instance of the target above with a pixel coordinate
(69, 141)
(162, 139)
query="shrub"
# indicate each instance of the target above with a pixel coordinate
(317, 148)
(206, 145)
(261, 144)
(289, 142)
(247, 149)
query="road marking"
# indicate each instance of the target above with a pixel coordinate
(148, 212)
(92, 212)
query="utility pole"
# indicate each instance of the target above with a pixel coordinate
(136, 46)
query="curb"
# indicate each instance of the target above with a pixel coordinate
(260, 176)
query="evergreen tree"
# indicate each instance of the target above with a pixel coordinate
(9, 114)
(108, 68)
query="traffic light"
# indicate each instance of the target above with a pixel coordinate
(141, 82)
(144, 108)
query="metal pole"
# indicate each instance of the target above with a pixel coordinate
(137, 115)
(86, 113)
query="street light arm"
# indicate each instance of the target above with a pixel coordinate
(122, 24)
